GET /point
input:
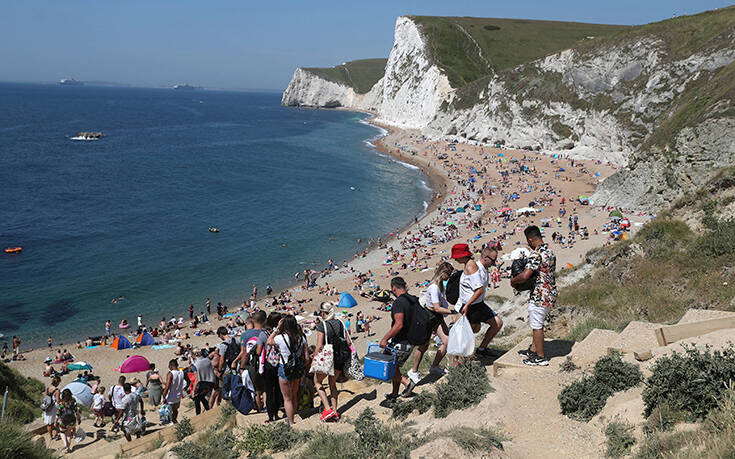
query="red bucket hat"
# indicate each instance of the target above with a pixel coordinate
(461, 251)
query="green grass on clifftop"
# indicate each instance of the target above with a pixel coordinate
(361, 75)
(470, 48)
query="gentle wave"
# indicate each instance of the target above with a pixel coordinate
(410, 166)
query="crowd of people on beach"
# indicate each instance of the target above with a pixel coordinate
(263, 345)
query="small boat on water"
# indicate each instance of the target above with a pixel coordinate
(13, 249)
(212, 229)
(88, 136)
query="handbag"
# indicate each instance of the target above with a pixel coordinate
(354, 367)
(133, 425)
(323, 361)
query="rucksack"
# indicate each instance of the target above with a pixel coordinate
(251, 346)
(451, 292)
(232, 351)
(517, 267)
(69, 415)
(340, 349)
(295, 366)
(419, 323)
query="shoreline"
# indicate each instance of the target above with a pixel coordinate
(436, 180)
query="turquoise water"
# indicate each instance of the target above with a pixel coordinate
(129, 214)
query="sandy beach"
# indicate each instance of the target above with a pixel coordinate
(457, 180)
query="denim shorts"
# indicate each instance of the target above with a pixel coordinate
(281, 372)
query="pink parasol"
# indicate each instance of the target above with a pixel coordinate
(134, 364)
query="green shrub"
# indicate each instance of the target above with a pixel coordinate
(662, 419)
(420, 402)
(618, 375)
(718, 241)
(584, 398)
(464, 385)
(620, 439)
(476, 440)
(371, 438)
(328, 444)
(275, 437)
(691, 382)
(184, 429)
(16, 442)
(211, 445)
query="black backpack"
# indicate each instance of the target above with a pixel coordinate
(341, 350)
(451, 292)
(517, 267)
(419, 323)
(295, 366)
(69, 414)
(233, 350)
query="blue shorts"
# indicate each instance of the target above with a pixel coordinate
(281, 372)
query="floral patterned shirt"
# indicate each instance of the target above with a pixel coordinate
(543, 261)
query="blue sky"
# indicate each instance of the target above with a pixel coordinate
(247, 44)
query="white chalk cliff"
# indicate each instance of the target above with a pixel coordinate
(602, 102)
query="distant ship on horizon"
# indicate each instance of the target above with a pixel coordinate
(71, 82)
(185, 87)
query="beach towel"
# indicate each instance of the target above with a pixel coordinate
(158, 347)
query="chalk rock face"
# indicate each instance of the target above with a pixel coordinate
(307, 89)
(413, 87)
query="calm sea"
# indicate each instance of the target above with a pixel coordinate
(129, 214)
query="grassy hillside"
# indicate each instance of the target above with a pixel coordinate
(668, 267)
(24, 394)
(470, 48)
(361, 75)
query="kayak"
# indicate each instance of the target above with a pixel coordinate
(13, 249)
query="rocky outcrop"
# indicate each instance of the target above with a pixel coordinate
(696, 155)
(307, 89)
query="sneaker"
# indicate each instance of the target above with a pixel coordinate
(536, 361)
(439, 371)
(527, 352)
(408, 390)
(414, 376)
(326, 415)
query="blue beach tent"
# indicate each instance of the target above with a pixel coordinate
(346, 301)
(145, 339)
(121, 343)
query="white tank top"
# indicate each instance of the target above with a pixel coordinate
(177, 384)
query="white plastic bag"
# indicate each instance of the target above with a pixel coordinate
(461, 338)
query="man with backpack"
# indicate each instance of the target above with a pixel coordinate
(541, 263)
(223, 356)
(410, 327)
(251, 347)
(116, 394)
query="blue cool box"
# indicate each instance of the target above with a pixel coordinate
(379, 365)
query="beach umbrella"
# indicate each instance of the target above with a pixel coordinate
(121, 343)
(135, 364)
(346, 300)
(597, 174)
(79, 366)
(81, 392)
(615, 213)
(145, 339)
